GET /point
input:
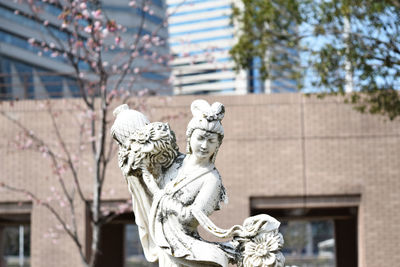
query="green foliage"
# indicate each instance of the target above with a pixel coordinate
(338, 43)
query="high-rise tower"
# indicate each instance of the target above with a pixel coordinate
(201, 35)
(200, 38)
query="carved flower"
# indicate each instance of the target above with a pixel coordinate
(165, 158)
(141, 141)
(142, 136)
(153, 144)
(262, 251)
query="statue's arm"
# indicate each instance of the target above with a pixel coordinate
(209, 195)
(150, 182)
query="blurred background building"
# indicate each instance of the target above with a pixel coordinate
(201, 35)
(26, 72)
(329, 174)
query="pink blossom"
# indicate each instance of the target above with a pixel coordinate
(88, 29)
(85, 13)
(112, 26)
(135, 54)
(83, 5)
(136, 70)
(97, 24)
(105, 32)
(46, 22)
(146, 38)
(143, 92)
(96, 14)
(132, 3)
(146, 8)
(31, 40)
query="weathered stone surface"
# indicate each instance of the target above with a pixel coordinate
(173, 194)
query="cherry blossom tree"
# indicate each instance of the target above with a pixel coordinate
(106, 62)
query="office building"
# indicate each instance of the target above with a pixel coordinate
(201, 35)
(200, 38)
(28, 72)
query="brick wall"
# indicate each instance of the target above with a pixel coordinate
(275, 145)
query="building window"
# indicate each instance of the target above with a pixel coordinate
(120, 244)
(309, 242)
(318, 230)
(134, 256)
(16, 245)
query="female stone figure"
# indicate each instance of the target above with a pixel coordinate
(173, 194)
(196, 187)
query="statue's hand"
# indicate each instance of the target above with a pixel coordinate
(127, 167)
(185, 214)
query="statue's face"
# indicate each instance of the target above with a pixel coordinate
(203, 143)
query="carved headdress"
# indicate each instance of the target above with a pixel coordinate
(206, 117)
(141, 140)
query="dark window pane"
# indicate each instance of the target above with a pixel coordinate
(134, 256)
(16, 245)
(309, 243)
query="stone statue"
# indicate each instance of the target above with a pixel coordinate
(173, 193)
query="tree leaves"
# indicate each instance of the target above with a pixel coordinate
(338, 44)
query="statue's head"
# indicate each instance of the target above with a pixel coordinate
(206, 124)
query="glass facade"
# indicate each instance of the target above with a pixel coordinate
(23, 74)
(17, 80)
